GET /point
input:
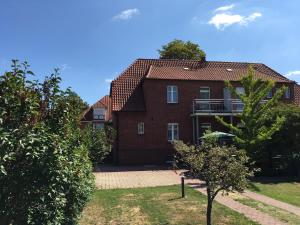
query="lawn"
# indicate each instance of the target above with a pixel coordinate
(159, 205)
(275, 212)
(285, 190)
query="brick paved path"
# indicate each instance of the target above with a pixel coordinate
(273, 202)
(133, 177)
(251, 213)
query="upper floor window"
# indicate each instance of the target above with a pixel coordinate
(240, 90)
(204, 93)
(173, 131)
(99, 114)
(287, 93)
(141, 128)
(172, 94)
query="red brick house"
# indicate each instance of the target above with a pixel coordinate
(155, 101)
(97, 114)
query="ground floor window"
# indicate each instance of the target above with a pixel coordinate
(141, 128)
(173, 131)
(98, 125)
(204, 127)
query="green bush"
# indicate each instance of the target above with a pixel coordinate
(282, 151)
(46, 175)
(99, 142)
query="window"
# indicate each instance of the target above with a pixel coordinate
(141, 128)
(99, 114)
(173, 131)
(172, 94)
(98, 125)
(204, 127)
(287, 93)
(204, 93)
(239, 104)
(205, 96)
(270, 94)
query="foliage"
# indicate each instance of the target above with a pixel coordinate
(283, 150)
(45, 171)
(178, 49)
(99, 142)
(254, 130)
(223, 168)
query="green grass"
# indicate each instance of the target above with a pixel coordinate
(275, 212)
(159, 205)
(283, 190)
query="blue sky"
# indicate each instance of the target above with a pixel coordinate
(92, 41)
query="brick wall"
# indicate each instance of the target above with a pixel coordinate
(152, 146)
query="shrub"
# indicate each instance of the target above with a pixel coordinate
(45, 171)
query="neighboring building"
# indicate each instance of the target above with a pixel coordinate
(156, 101)
(98, 113)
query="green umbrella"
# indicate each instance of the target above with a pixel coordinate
(218, 135)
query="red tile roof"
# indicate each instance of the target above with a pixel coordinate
(104, 102)
(126, 90)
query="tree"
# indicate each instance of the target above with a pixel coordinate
(222, 168)
(254, 130)
(99, 142)
(178, 49)
(45, 172)
(283, 150)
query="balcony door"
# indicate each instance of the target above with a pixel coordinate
(204, 98)
(227, 100)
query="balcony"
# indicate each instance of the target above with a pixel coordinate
(217, 106)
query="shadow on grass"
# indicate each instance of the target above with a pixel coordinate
(275, 180)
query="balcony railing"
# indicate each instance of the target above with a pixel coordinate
(217, 106)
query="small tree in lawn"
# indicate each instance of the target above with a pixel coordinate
(254, 130)
(222, 168)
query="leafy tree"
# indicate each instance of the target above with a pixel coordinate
(178, 49)
(254, 130)
(285, 143)
(45, 172)
(222, 168)
(99, 142)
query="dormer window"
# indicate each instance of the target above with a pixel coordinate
(99, 114)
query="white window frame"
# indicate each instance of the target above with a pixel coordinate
(99, 113)
(173, 126)
(171, 90)
(287, 93)
(141, 128)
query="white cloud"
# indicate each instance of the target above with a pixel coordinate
(223, 20)
(126, 14)
(64, 67)
(108, 80)
(225, 8)
(292, 73)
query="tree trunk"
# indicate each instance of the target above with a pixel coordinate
(209, 207)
